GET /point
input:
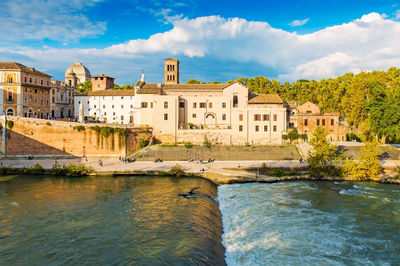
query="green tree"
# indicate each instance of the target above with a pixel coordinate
(85, 87)
(293, 135)
(323, 155)
(368, 167)
(192, 81)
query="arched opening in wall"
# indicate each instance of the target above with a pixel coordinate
(10, 111)
(30, 113)
(69, 83)
(235, 101)
(210, 119)
(10, 79)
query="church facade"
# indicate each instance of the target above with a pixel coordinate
(224, 113)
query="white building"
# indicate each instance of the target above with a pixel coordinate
(225, 113)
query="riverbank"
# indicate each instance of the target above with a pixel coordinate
(219, 172)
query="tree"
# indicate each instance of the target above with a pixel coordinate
(192, 81)
(323, 155)
(85, 87)
(368, 167)
(293, 135)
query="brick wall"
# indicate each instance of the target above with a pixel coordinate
(44, 137)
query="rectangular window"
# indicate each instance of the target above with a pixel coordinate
(323, 122)
(265, 128)
(151, 105)
(165, 116)
(165, 105)
(223, 116)
(10, 96)
(240, 128)
(94, 106)
(306, 122)
(209, 105)
(317, 122)
(52, 99)
(202, 105)
(223, 105)
(265, 117)
(25, 79)
(30, 80)
(131, 106)
(144, 105)
(257, 117)
(240, 117)
(332, 122)
(122, 118)
(274, 128)
(112, 106)
(122, 106)
(105, 113)
(181, 104)
(257, 128)
(104, 107)
(194, 115)
(275, 117)
(194, 105)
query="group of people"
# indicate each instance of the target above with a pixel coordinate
(201, 161)
(126, 160)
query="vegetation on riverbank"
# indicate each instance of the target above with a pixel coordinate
(71, 170)
(326, 160)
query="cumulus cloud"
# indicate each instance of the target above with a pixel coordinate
(369, 43)
(296, 23)
(61, 20)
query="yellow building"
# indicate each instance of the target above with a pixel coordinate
(24, 91)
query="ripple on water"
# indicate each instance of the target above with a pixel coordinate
(310, 223)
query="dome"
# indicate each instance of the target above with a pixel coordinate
(78, 69)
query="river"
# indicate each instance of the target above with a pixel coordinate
(108, 221)
(311, 223)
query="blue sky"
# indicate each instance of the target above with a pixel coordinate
(214, 40)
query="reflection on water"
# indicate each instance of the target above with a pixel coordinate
(318, 223)
(106, 220)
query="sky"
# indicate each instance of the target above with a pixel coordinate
(214, 40)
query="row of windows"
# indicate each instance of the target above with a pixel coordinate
(112, 97)
(320, 121)
(36, 101)
(31, 80)
(170, 67)
(257, 128)
(112, 106)
(204, 105)
(170, 77)
(36, 91)
(257, 117)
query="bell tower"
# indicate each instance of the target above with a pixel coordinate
(171, 70)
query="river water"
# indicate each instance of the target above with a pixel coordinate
(109, 221)
(311, 223)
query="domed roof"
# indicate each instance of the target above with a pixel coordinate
(78, 69)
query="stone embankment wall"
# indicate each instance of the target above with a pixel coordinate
(29, 136)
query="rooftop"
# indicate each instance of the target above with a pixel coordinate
(21, 67)
(266, 99)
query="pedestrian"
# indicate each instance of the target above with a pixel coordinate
(301, 160)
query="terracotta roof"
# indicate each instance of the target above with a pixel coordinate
(266, 98)
(102, 76)
(149, 88)
(112, 93)
(18, 66)
(195, 86)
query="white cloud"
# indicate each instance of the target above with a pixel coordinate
(397, 14)
(296, 23)
(368, 43)
(60, 20)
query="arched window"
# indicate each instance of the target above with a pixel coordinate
(10, 79)
(10, 111)
(69, 83)
(30, 113)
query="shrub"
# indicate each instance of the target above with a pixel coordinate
(10, 124)
(80, 128)
(188, 145)
(304, 137)
(293, 135)
(143, 143)
(96, 128)
(71, 170)
(123, 132)
(247, 144)
(190, 125)
(206, 142)
(285, 137)
(176, 171)
(48, 123)
(106, 131)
